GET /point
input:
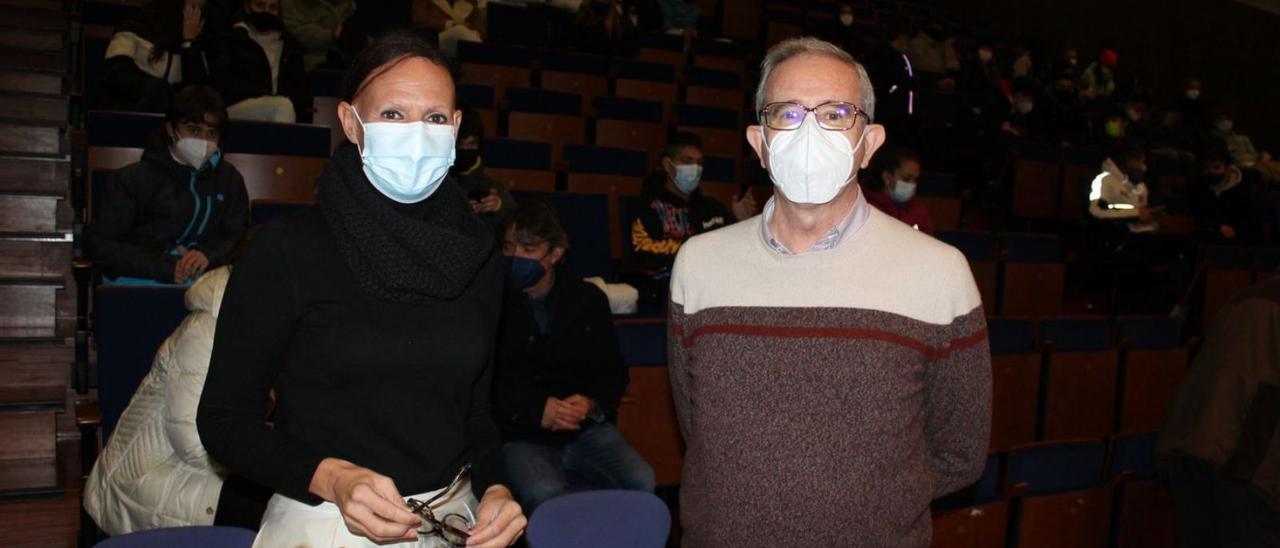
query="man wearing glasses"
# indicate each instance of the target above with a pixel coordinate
(829, 364)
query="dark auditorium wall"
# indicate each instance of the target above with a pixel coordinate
(1233, 48)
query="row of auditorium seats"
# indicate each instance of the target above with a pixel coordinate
(1068, 494)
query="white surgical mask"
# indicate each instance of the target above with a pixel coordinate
(1193, 94)
(1024, 107)
(984, 55)
(810, 164)
(903, 191)
(687, 177)
(406, 161)
(1225, 126)
(846, 19)
(194, 151)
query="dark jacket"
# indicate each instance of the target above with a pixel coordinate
(666, 220)
(241, 71)
(125, 86)
(150, 207)
(579, 355)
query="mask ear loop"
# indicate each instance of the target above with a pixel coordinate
(359, 148)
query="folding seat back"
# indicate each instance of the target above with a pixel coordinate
(630, 123)
(1015, 378)
(611, 171)
(1080, 381)
(1033, 275)
(520, 165)
(1154, 364)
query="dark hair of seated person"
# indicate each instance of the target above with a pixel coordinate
(383, 54)
(535, 221)
(680, 140)
(884, 161)
(160, 23)
(471, 126)
(1127, 150)
(194, 104)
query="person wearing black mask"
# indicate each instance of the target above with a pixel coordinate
(259, 69)
(489, 197)
(559, 373)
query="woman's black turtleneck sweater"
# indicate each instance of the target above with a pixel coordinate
(399, 386)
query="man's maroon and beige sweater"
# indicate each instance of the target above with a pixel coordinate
(825, 398)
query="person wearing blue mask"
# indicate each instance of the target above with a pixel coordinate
(373, 317)
(896, 192)
(560, 374)
(673, 207)
(178, 211)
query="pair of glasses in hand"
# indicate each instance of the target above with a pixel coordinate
(453, 528)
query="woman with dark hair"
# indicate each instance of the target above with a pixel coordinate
(373, 317)
(150, 58)
(259, 67)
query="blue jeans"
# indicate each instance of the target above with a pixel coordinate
(599, 458)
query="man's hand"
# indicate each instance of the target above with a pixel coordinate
(499, 520)
(581, 403)
(560, 415)
(192, 22)
(490, 203)
(191, 265)
(744, 207)
(370, 504)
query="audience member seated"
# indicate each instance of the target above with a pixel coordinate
(1071, 119)
(899, 173)
(1242, 150)
(559, 374)
(258, 68)
(1221, 199)
(489, 197)
(153, 471)
(891, 72)
(149, 59)
(1141, 126)
(1098, 80)
(178, 211)
(453, 20)
(680, 16)
(673, 208)
(1191, 107)
(1118, 193)
(933, 55)
(980, 87)
(842, 31)
(1023, 65)
(601, 27)
(317, 25)
(1027, 120)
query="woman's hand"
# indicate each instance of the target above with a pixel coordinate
(499, 520)
(370, 503)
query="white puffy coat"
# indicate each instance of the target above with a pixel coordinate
(154, 472)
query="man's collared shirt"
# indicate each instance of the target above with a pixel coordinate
(838, 234)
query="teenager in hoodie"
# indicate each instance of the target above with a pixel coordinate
(181, 209)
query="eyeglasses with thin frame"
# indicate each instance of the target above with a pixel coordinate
(453, 528)
(831, 116)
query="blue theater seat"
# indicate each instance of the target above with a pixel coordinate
(976, 246)
(719, 168)
(696, 76)
(709, 117)
(476, 95)
(327, 82)
(643, 343)
(662, 41)
(1076, 334)
(606, 161)
(641, 70)
(1031, 248)
(516, 154)
(579, 63)
(633, 110)
(543, 101)
(601, 519)
(120, 129)
(129, 323)
(1150, 332)
(495, 54)
(1135, 455)
(1010, 336)
(940, 185)
(1054, 467)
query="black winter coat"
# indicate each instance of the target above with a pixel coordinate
(579, 355)
(241, 71)
(150, 207)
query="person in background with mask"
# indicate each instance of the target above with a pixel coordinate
(559, 374)
(1221, 199)
(825, 359)
(317, 25)
(1242, 151)
(1119, 193)
(842, 31)
(150, 58)
(674, 209)
(180, 210)
(1098, 80)
(1190, 107)
(1027, 118)
(259, 68)
(373, 317)
(489, 197)
(895, 195)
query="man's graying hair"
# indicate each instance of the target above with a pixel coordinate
(787, 49)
